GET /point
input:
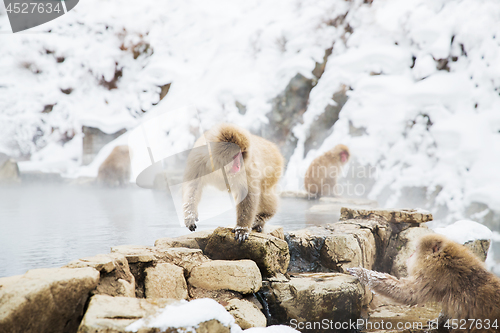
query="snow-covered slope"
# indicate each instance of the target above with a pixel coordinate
(423, 78)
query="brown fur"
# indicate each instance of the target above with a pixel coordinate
(446, 272)
(261, 169)
(115, 170)
(321, 176)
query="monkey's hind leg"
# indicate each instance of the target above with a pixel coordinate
(246, 211)
(268, 206)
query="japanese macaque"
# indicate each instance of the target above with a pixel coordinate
(252, 167)
(445, 272)
(321, 176)
(115, 170)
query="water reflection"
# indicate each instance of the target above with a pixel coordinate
(48, 225)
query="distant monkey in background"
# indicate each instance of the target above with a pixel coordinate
(251, 164)
(321, 176)
(115, 170)
(443, 271)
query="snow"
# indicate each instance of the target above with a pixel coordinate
(191, 314)
(186, 314)
(464, 231)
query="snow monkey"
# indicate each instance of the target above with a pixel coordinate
(321, 176)
(443, 271)
(115, 170)
(252, 168)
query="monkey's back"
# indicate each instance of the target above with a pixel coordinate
(323, 170)
(115, 170)
(269, 153)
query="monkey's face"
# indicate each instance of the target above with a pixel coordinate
(237, 161)
(344, 156)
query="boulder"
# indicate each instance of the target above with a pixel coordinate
(333, 205)
(165, 281)
(401, 247)
(141, 258)
(317, 297)
(479, 247)
(183, 257)
(221, 296)
(246, 313)
(335, 247)
(350, 248)
(274, 230)
(294, 194)
(238, 275)
(389, 215)
(116, 278)
(200, 315)
(45, 300)
(195, 240)
(135, 253)
(106, 314)
(270, 253)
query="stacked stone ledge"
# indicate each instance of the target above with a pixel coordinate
(272, 278)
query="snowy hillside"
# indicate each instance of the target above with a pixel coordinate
(422, 78)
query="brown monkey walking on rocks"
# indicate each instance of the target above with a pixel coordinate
(252, 167)
(115, 170)
(443, 271)
(321, 176)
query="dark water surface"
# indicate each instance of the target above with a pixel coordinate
(49, 225)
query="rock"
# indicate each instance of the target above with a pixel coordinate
(335, 246)
(140, 258)
(349, 248)
(195, 240)
(314, 297)
(479, 247)
(165, 281)
(294, 194)
(241, 276)
(116, 278)
(270, 253)
(135, 253)
(322, 125)
(350, 201)
(287, 110)
(275, 231)
(221, 296)
(200, 315)
(305, 249)
(389, 215)
(9, 171)
(106, 314)
(401, 247)
(394, 313)
(246, 314)
(183, 257)
(45, 300)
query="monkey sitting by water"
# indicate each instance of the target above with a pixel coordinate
(443, 271)
(252, 167)
(321, 176)
(115, 170)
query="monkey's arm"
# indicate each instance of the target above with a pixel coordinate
(191, 195)
(402, 290)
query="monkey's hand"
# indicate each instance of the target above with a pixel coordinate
(190, 222)
(241, 233)
(361, 273)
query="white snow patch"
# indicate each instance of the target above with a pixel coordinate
(465, 230)
(186, 314)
